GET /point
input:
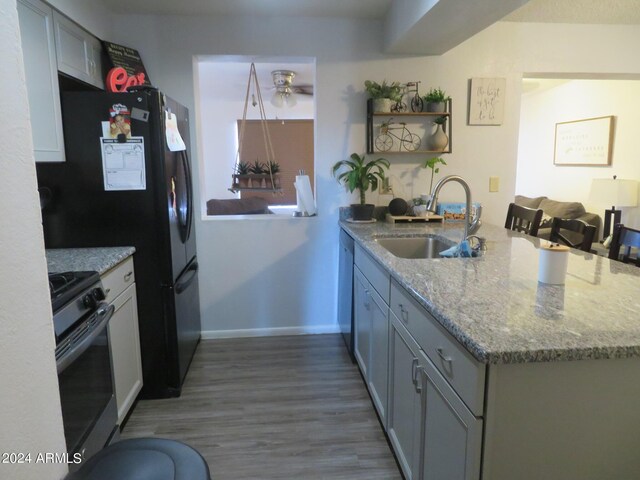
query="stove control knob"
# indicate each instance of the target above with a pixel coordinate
(91, 299)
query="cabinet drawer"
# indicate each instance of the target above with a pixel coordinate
(465, 374)
(116, 280)
(377, 276)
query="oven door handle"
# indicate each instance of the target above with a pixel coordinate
(104, 312)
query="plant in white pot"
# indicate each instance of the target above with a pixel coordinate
(362, 176)
(435, 100)
(384, 95)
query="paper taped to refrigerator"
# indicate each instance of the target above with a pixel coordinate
(123, 164)
(174, 139)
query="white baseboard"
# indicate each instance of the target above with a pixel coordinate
(265, 332)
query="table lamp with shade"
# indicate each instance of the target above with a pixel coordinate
(616, 192)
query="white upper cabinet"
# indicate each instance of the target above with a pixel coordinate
(78, 51)
(39, 54)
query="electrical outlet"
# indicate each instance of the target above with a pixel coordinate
(494, 184)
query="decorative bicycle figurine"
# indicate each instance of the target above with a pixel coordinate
(385, 139)
(416, 100)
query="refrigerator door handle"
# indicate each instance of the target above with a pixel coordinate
(189, 186)
(189, 276)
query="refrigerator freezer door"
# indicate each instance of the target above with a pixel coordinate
(187, 313)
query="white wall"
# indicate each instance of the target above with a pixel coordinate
(347, 54)
(551, 101)
(29, 402)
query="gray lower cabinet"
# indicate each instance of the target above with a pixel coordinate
(41, 75)
(371, 318)
(451, 437)
(403, 422)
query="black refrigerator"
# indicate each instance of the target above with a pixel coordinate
(145, 201)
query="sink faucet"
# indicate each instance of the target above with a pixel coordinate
(470, 226)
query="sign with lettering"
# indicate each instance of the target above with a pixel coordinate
(486, 101)
(128, 59)
(584, 142)
(118, 80)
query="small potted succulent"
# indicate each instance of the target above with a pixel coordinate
(384, 95)
(241, 177)
(362, 176)
(257, 176)
(419, 207)
(272, 169)
(435, 100)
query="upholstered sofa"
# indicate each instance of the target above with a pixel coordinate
(238, 206)
(553, 208)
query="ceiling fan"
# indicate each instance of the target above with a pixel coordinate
(285, 92)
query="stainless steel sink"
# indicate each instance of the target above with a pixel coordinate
(415, 247)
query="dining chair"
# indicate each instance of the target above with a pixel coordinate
(573, 233)
(523, 219)
(625, 237)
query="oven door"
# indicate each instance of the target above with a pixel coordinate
(87, 398)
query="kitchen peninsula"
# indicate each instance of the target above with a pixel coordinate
(510, 378)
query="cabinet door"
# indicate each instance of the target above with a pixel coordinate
(379, 354)
(76, 51)
(451, 435)
(403, 418)
(39, 54)
(362, 321)
(124, 340)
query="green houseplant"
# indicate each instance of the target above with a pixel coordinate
(384, 95)
(257, 170)
(435, 100)
(241, 175)
(432, 164)
(272, 169)
(361, 175)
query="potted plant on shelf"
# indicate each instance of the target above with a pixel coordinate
(384, 95)
(435, 100)
(257, 174)
(362, 176)
(241, 177)
(431, 163)
(272, 170)
(438, 140)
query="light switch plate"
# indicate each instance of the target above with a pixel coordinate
(494, 184)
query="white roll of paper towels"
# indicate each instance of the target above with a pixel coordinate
(304, 196)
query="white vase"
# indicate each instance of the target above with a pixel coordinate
(438, 141)
(382, 105)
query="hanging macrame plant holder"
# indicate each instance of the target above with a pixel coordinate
(268, 180)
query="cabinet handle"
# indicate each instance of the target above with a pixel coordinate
(404, 313)
(366, 302)
(127, 276)
(442, 355)
(106, 292)
(414, 374)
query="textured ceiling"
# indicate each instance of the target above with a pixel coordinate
(622, 12)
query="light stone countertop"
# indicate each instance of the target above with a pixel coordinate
(495, 307)
(100, 259)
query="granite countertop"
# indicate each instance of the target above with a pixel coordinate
(496, 308)
(100, 259)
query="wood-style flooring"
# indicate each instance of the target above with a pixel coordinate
(273, 408)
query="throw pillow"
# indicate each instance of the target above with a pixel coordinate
(562, 209)
(529, 202)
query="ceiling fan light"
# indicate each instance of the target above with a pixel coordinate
(290, 100)
(277, 100)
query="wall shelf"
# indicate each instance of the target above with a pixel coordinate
(375, 121)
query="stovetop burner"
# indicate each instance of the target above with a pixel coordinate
(67, 285)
